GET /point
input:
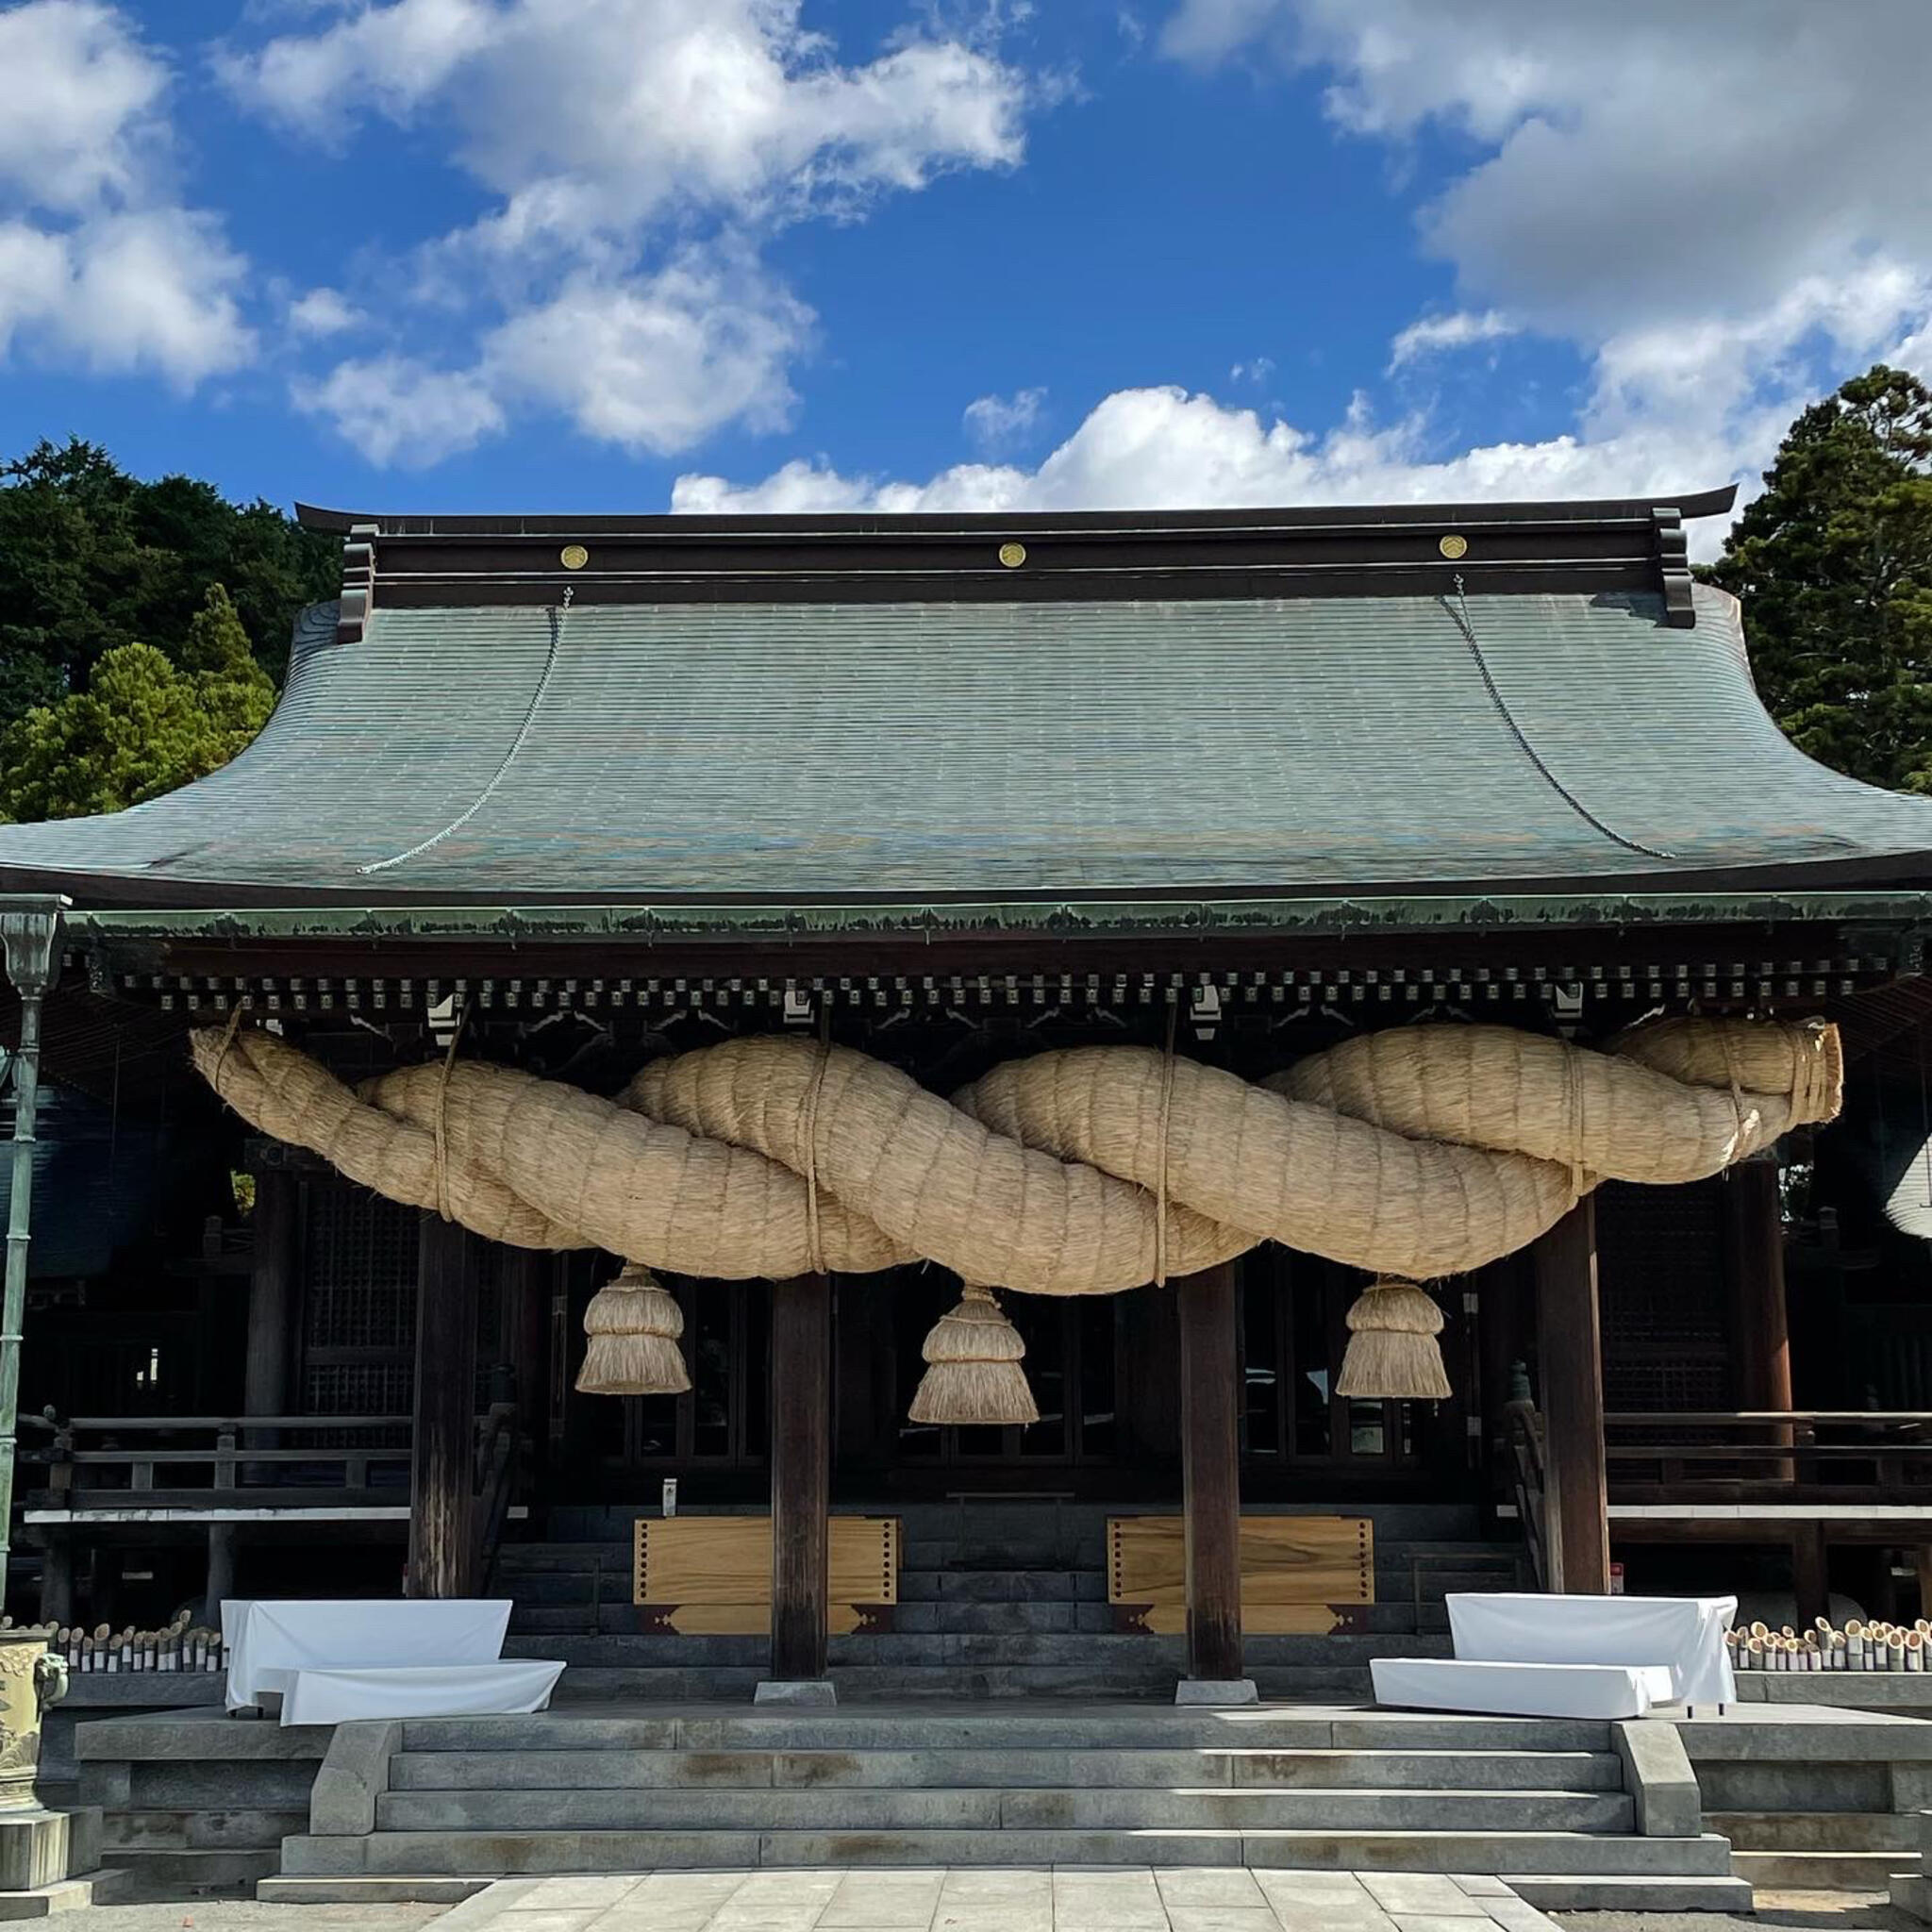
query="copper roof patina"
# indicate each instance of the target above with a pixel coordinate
(872, 712)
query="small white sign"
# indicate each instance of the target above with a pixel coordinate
(670, 1495)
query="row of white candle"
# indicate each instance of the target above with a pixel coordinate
(182, 1646)
(1859, 1647)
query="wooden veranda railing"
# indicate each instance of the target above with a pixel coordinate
(1837, 1459)
(84, 1470)
(158, 1461)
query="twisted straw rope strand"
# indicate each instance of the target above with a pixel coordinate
(1420, 1152)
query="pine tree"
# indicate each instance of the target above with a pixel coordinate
(142, 726)
(1833, 565)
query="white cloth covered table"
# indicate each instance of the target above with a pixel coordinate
(1442, 1683)
(486, 1690)
(268, 1640)
(1687, 1633)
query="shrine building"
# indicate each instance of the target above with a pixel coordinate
(651, 919)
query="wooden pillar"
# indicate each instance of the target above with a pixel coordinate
(1570, 1354)
(1210, 1472)
(527, 1279)
(57, 1581)
(443, 1448)
(271, 1307)
(1755, 1268)
(220, 1569)
(801, 1473)
(1810, 1585)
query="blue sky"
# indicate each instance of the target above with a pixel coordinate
(799, 254)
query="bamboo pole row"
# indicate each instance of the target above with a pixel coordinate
(1859, 1647)
(182, 1646)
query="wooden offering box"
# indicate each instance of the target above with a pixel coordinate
(1300, 1575)
(711, 1575)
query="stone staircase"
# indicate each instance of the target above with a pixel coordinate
(1000, 1599)
(1543, 1804)
(1815, 1803)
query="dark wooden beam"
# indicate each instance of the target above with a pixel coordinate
(801, 1473)
(1210, 1472)
(444, 1449)
(1569, 1354)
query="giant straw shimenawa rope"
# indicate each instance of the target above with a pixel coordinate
(1419, 1151)
(1416, 1152)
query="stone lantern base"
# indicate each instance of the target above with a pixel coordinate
(42, 1853)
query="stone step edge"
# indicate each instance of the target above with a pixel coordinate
(1429, 1754)
(430, 1890)
(1564, 1891)
(1505, 1854)
(1530, 1794)
(1883, 1864)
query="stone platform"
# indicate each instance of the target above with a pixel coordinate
(1572, 1814)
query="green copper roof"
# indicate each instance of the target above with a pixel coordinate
(800, 752)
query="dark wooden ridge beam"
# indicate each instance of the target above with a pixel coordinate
(1405, 550)
(1703, 503)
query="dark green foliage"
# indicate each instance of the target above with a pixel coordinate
(1834, 566)
(91, 559)
(142, 725)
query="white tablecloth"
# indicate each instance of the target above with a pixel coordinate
(490, 1690)
(1440, 1683)
(1685, 1632)
(266, 1640)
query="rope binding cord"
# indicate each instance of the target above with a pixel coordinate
(814, 1241)
(449, 1060)
(1459, 611)
(1160, 1168)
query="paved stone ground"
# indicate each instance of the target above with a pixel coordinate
(1066, 1899)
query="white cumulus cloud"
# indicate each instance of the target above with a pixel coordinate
(637, 155)
(1162, 448)
(1721, 206)
(1459, 330)
(397, 411)
(100, 266)
(1000, 422)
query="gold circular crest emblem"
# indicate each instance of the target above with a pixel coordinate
(574, 556)
(1012, 554)
(1452, 546)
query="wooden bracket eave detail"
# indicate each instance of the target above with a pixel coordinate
(358, 583)
(1674, 566)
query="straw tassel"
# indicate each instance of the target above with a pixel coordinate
(1393, 1353)
(972, 1372)
(633, 1323)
